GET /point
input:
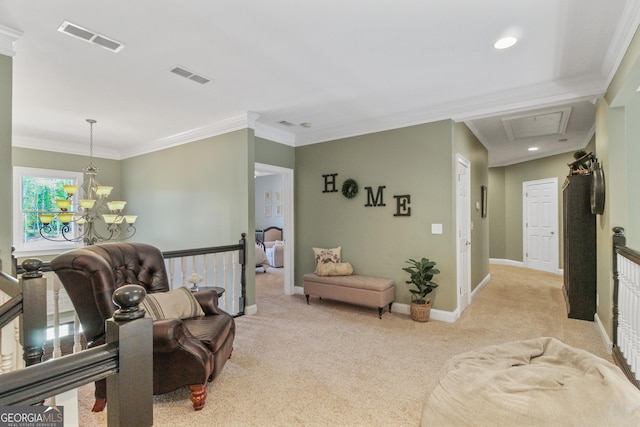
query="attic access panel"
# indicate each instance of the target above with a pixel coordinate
(540, 124)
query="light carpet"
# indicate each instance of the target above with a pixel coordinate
(330, 363)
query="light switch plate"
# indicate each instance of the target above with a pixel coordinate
(436, 228)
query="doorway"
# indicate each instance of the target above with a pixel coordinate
(540, 224)
(287, 215)
(463, 230)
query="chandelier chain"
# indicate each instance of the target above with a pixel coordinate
(91, 122)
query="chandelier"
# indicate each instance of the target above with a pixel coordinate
(94, 218)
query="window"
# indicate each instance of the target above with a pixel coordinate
(34, 191)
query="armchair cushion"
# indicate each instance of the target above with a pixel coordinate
(176, 304)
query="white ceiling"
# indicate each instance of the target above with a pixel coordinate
(345, 67)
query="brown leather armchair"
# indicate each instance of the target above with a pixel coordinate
(188, 352)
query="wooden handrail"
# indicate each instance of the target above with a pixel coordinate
(35, 383)
(620, 248)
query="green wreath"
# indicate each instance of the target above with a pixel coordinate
(349, 188)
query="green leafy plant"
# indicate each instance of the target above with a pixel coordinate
(421, 274)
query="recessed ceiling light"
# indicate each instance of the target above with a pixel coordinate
(505, 42)
(533, 148)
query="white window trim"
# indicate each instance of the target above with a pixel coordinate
(47, 248)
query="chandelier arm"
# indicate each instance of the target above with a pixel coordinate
(65, 229)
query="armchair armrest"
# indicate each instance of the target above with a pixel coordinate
(208, 300)
(170, 335)
(167, 334)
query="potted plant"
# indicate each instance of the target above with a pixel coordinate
(421, 272)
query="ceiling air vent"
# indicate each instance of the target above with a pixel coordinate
(89, 36)
(286, 123)
(183, 72)
(551, 122)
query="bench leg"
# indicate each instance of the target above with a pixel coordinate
(380, 312)
(307, 295)
(390, 306)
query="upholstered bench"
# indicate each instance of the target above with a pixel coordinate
(355, 289)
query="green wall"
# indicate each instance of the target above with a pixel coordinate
(6, 190)
(497, 214)
(468, 145)
(195, 195)
(274, 153)
(192, 195)
(418, 161)
(108, 174)
(505, 201)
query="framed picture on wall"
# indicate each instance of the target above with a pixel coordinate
(267, 197)
(267, 211)
(278, 210)
(277, 196)
(483, 195)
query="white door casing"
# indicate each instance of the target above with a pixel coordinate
(540, 224)
(463, 231)
(288, 229)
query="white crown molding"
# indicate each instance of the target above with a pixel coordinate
(243, 121)
(8, 36)
(273, 134)
(521, 99)
(231, 124)
(64, 147)
(625, 30)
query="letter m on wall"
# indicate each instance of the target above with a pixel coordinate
(378, 199)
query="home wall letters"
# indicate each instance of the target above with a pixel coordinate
(403, 201)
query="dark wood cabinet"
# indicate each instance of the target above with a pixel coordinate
(579, 248)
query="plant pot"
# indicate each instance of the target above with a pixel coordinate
(421, 312)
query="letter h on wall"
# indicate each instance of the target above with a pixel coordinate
(330, 183)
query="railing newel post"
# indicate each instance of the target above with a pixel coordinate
(130, 391)
(33, 322)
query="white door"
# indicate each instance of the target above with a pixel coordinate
(540, 224)
(463, 225)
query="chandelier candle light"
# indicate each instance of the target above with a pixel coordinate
(91, 209)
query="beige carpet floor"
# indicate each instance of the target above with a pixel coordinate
(334, 364)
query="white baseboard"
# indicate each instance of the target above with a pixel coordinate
(506, 262)
(482, 284)
(515, 263)
(440, 315)
(251, 309)
(603, 334)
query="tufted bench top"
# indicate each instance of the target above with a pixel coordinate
(353, 281)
